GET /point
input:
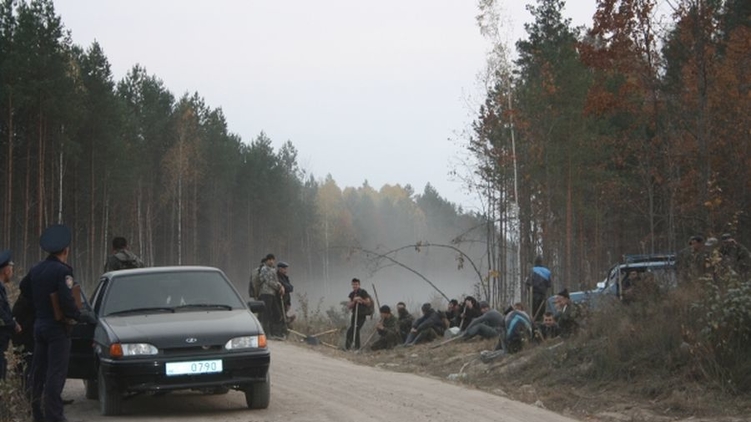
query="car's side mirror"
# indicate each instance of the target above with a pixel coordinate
(601, 285)
(256, 306)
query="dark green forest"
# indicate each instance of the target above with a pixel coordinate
(627, 136)
(130, 158)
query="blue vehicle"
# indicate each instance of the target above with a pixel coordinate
(660, 266)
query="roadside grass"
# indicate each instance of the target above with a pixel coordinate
(14, 407)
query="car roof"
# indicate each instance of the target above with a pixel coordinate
(157, 270)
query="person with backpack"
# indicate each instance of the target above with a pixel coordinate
(122, 258)
(271, 291)
(254, 285)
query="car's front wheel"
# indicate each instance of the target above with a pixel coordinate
(110, 398)
(258, 394)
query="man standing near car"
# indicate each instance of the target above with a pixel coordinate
(51, 339)
(270, 292)
(122, 258)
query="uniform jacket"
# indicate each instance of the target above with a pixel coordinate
(47, 277)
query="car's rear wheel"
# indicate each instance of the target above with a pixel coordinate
(110, 398)
(91, 387)
(258, 394)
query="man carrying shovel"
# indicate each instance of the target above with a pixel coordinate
(361, 305)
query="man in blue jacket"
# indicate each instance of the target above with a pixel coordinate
(539, 280)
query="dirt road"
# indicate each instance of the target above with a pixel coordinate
(307, 386)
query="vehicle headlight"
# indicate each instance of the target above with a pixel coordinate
(133, 349)
(246, 342)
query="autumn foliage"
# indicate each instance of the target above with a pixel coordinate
(631, 135)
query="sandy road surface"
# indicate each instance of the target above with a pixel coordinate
(307, 386)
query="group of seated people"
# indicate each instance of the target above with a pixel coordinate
(471, 319)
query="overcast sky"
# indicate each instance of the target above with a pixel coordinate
(366, 90)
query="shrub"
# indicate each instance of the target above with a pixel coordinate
(14, 407)
(723, 334)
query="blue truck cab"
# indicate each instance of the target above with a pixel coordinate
(660, 266)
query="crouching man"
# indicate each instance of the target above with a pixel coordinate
(426, 328)
(388, 331)
(517, 330)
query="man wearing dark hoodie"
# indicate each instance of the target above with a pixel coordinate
(470, 312)
(426, 328)
(122, 258)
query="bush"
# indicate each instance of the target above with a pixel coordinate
(14, 407)
(723, 336)
(700, 332)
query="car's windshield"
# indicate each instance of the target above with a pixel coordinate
(180, 290)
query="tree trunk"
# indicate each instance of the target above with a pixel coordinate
(8, 217)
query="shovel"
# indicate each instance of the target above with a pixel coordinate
(313, 338)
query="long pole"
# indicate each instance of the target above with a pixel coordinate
(517, 208)
(378, 302)
(354, 323)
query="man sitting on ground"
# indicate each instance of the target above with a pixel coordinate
(549, 329)
(426, 328)
(488, 325)
(405, 320)
(567, 314)
(388, 331)
(453, 312)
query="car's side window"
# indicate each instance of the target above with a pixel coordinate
(97, 296)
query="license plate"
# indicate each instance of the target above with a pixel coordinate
(193, 368)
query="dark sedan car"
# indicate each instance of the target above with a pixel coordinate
(170, 328)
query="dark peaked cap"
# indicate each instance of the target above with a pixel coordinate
(55, 238)
(5, 258)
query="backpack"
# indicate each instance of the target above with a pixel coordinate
(127, 260)
(128, 264)
(254, 287)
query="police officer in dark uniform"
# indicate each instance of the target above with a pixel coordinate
(51, 336)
